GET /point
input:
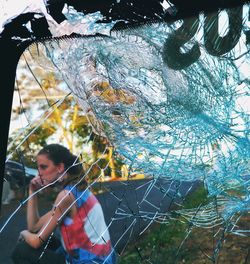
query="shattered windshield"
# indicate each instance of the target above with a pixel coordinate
(156, 114)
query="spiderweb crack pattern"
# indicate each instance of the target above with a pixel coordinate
(179, 127)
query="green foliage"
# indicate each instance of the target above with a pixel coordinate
(195, 199)
(66, 123)
(161, 243)
(99, 144)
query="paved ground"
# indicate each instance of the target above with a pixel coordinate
(128, 207)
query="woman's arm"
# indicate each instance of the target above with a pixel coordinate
(49, 221)
(32, 207)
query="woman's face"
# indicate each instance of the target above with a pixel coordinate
(48, 171)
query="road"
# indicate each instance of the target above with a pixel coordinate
(129, 207)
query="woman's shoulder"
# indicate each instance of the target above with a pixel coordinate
(76, 191)
(71, 195)
(64, 197)
(64, 202)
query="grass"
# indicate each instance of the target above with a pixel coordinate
(161, 243)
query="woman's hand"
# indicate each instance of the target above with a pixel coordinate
(35, 184)
(22, 235)
(30, 238)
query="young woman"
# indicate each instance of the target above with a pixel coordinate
(77, 212)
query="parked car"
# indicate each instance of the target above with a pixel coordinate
(18, 175)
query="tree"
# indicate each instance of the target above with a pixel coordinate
(43, 92)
